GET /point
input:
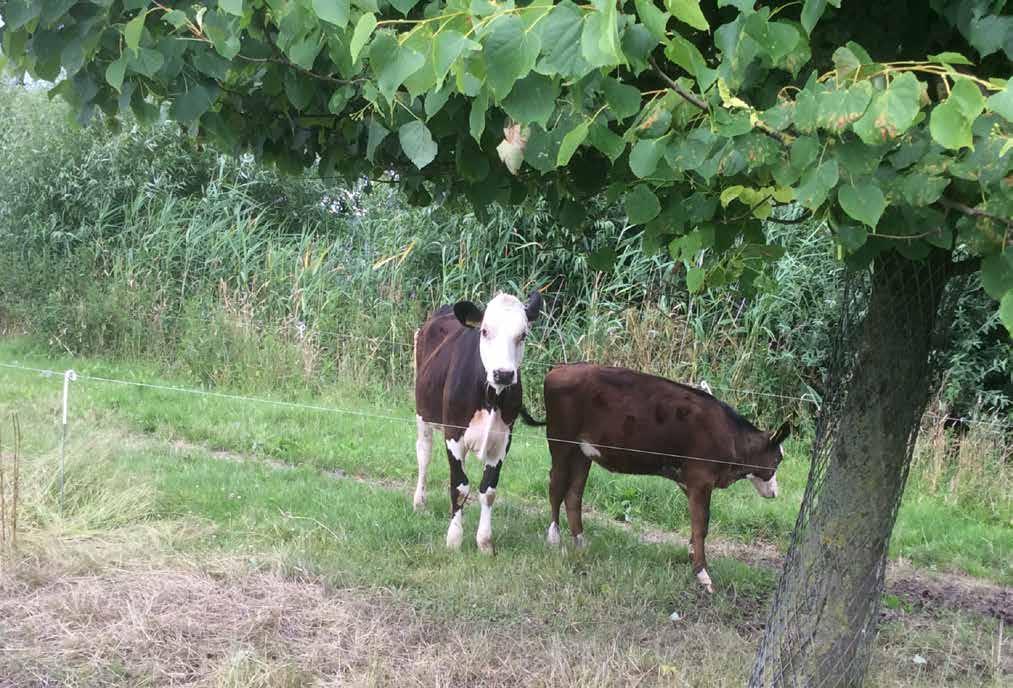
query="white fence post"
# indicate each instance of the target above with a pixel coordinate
(68, 377)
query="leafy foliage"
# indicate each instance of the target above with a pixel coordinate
(897, 133)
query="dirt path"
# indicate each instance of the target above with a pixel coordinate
(918, 589)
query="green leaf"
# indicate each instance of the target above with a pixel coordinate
(447, 48)
(686, 55)
(920, 189)
(688, 11)
(570, 144)
(132, 31)
(645, 156)
(532, 99)
(404, 6)
(654, 19)
(333, 11)
(642, 205)
(603, 259)
(839, 108)
(339, 99)
(146, 62)
(953, 119)
(304, 52)
(1002, 102)
(560, 35)
(115, 72)
(417, 143)
(435, 100)
(892, 111)
(476, 120)
(377, 133)
(951, 58)
(695, 279)
(191, 104)
(816, 184)
(863, 201)
(852, 237)
(510, 52)
(392, 63)
(606, 141)
(623, 100)
(20, 12)
(176, 18)
(1006, 311)
(599, 41)
(997, 274)
(812, 10)
(363, 30)
(231, 7)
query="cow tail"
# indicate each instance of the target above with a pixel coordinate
(528, 420)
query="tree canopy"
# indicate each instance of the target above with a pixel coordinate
(890, 121)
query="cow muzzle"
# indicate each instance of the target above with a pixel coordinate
(503, 377)
(766, 488)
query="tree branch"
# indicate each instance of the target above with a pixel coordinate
(974, 212)
(804, 217)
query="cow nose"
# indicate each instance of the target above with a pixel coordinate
(503, 377)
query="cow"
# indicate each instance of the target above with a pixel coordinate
(468, 386)
(630, 422)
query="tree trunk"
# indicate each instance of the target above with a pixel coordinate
(826, 606)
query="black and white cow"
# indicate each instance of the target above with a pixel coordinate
(468, 385)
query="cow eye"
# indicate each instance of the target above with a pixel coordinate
(522, 337)
(485, 333)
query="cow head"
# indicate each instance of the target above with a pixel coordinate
(765, 481)
(503, 325)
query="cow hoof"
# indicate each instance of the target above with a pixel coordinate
(486, 547)
(419, 502)
(579, 542)
(705, 581)
(552, 537)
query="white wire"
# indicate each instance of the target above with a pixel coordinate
(362, 414)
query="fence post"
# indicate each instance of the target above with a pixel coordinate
(68, 377)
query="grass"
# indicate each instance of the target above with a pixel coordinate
(932, 531)
(195, 549)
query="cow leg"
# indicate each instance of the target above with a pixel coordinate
(458, 493)
(699, 515)
(559, 480)
(423, 452)
(580, 465)
(486, 496)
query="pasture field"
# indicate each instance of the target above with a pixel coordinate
(208, 541)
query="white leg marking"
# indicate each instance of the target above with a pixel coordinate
(705, 580)
(455, 533)
(484, 535)
(463, 490)
(423, 452)
(590, 451)
(579, 541)
(766, 488)
(553, 535)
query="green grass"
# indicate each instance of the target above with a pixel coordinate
(168, 478)
(375, 439)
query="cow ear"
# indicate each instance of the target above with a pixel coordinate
(781, 434)
(534, 306)
(468, 313)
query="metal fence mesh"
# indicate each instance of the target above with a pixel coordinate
(823, 615)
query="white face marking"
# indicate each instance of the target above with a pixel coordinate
(501, 340)
(552, 537)
(423, 451)
(705, 580)
(455, 533)
(766, 488)
(589, 450)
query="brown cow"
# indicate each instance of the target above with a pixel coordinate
(468, 385)
(631, 422)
